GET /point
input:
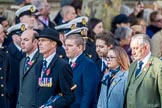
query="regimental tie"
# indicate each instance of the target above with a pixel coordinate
(139, 67)
(27, 59)
(44, 68)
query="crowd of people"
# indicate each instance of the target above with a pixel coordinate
(72, 61)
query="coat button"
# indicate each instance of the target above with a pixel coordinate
(1, 77)
(2, 85)
(2, 94)
(0, 68)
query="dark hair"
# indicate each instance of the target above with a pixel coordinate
(77, 4)
(107, 37)
(91, 24)
(153, 15)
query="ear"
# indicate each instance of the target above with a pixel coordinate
(81, 47)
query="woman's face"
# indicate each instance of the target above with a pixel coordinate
(98, 28)
(112, 60)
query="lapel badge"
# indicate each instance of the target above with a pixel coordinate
(113, 83)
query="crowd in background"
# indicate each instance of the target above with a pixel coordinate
(72, 61)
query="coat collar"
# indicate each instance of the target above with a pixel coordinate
(116, 80)
(141, 74)
(78, 60)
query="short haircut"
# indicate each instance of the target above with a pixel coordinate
(65, 10)
(78, 39)
(121, 57)
(122, 32)
(107, 37)
(153, 15)
(142, 39)
(38, 4)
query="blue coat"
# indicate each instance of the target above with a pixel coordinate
(85, 75)
(117, 90)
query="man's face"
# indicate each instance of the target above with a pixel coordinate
(28, 43)
(46, 45)
(138, 51)
(28, 19)
(46, 9)
(101, 48)
(158, 21)
(71, 14)
(71, 48)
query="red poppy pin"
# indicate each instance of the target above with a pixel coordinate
(73, 65)
(31, 62)
(48, 72)
(148, 64)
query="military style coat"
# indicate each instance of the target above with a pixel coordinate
(59, 80)
(4, 73)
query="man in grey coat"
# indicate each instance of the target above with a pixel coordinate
(26, 98)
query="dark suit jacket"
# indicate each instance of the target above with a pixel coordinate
(86, 78)
(62, 81)
(27, 81)
(4, 71)
(15, 57)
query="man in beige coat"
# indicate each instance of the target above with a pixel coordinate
(144, 88)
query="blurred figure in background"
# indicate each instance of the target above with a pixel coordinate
(138, 26)
(43, 8)
(119, 20)
(155, 23)
(122, 37)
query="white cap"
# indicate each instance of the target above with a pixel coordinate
(18, 28)
(80, 30)
(26, 10)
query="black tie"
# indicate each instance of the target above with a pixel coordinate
(26, 64)
(70, 63)
(139, 68)
(44, 67)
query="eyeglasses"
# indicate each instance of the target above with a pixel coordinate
(110, 58)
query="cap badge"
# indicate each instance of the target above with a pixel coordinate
(84, 22)
(32, 9)
(73, 26)
(23, 27)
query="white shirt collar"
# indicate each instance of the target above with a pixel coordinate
(145, 60)
(32, 54)
(49, 58)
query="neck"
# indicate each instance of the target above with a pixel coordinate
(49, 53)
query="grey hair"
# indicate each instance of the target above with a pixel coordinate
(65, 10)
(142, 39)
(122, 32)
(39, 4)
